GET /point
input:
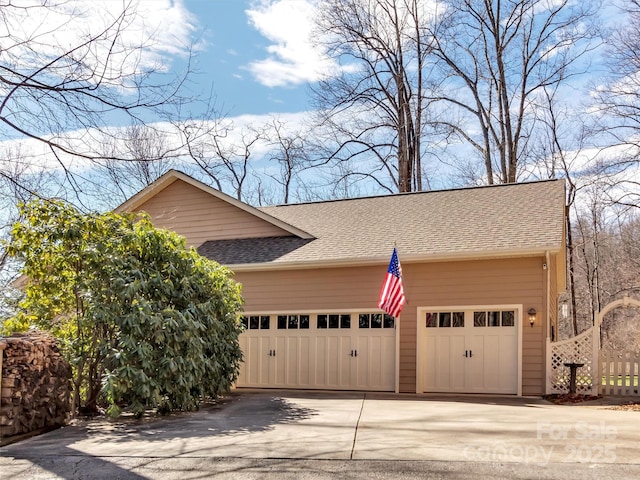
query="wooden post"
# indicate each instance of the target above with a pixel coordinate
(635, 372)
(613, 377)
(3, 345)
(596, 378)
(573, 369)
(548, 367)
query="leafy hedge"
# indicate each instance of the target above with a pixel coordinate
(145, 321)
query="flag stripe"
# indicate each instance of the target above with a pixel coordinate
(392, 298)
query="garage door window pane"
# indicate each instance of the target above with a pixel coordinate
(264, 322)
(432, 320)
(282, 322)
(245, 322)
(322, 321)
(479, 319)
(493, 319)
(458, 319)
(293, 321)
(508, 319)
(445, 319)
(375, 320)
(345, 321)
(334, 321)
(304, 321)
(254, 322)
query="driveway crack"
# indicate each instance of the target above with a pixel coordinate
(355, 434)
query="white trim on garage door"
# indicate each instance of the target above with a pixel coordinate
(469, 349)
(333, 350)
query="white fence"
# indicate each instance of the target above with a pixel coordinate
(620, 374)
(582, 349)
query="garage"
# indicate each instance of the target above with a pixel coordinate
(311, 274)
(469, 350)
(334, 351)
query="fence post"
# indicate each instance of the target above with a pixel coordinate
(635, 375)
(596, 379)
(549, 365)
(609, 373)
(3, 345)
(627, 361)
(603, 375)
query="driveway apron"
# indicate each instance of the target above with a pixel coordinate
(351, 425)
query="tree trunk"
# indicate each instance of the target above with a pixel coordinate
(572, 286)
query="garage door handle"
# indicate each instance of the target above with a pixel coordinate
(470, 354)
(272, 353)
(354, 353)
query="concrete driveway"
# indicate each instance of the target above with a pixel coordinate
(318, 426)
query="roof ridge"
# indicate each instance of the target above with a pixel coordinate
(421, 192)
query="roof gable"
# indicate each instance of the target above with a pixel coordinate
(200, 213)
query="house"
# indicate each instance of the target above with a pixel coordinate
(475, 262)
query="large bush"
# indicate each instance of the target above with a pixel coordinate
(145, 321)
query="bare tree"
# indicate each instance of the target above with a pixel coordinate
(375, 106)
(616, 111)
(149, 157)
(495, 58)
(562, 126)
(618, 99)
(64, 95)
(607, 266)
(69, 70)
(290, 152)
(221, 152)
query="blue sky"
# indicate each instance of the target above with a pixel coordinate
(231, 45)
(254, 55)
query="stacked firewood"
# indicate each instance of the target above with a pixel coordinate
(35, 387)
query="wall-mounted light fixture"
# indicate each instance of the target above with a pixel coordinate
(532, 316)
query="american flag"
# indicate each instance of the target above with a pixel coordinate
(392, 298)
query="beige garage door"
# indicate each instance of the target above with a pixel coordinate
(332, 351)
(469, 351)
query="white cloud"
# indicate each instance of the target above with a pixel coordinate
(292, 59)
(34, 156)
(169, 23)
(149, 34)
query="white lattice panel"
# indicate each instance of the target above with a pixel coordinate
(579, 349)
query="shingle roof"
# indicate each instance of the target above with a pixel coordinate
(470, 222)
(250, 250)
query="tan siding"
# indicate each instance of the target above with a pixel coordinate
(515, 281)
(199, 216)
